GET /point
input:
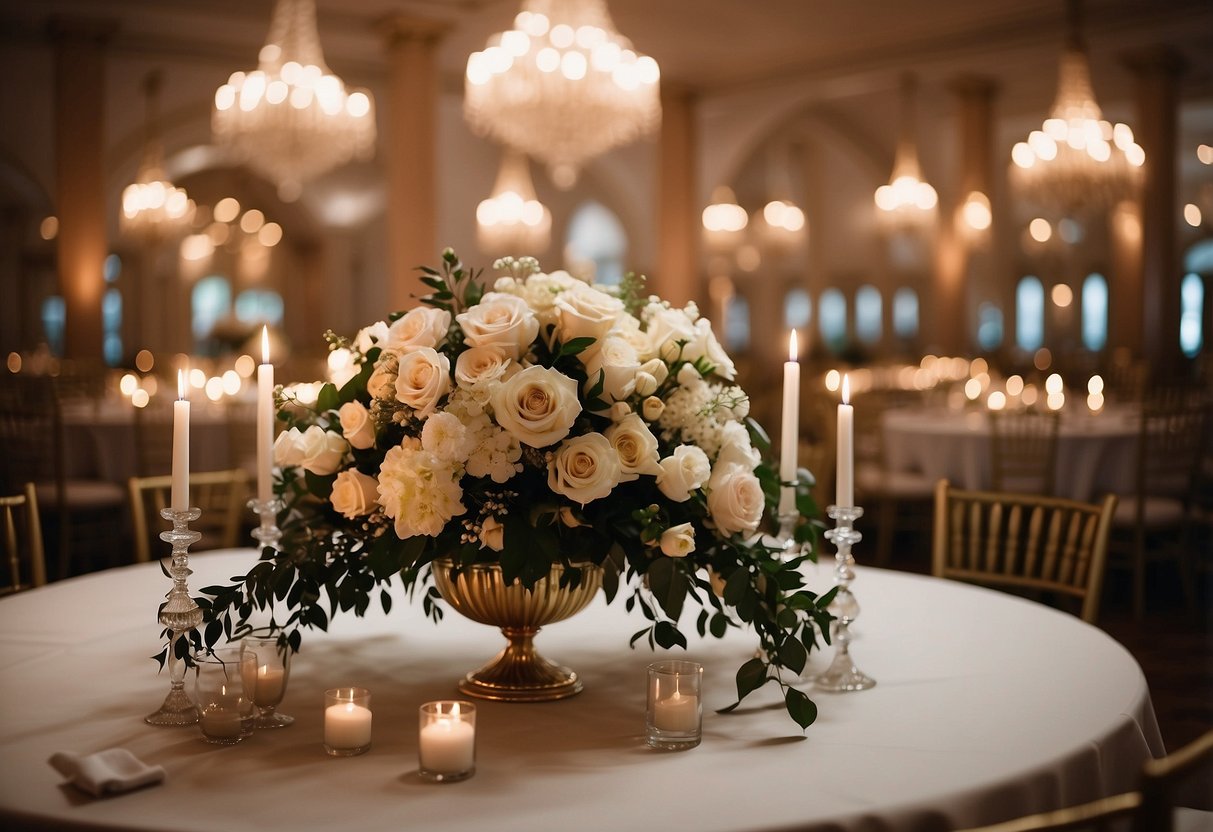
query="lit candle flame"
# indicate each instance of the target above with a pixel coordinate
(181, 385)
(265, 345)
(793, 350)
(846, 388)
(455, 709)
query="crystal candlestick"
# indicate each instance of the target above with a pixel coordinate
(785, 538)
(180, 614)
(842, 674)
(267, 533)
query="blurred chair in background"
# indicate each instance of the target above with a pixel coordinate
(222, 496)
(1023, 451)
(22, 551)
(1023, 542)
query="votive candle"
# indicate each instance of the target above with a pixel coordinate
(347, 721)
(446, 741)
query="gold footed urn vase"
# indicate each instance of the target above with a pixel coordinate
(518, 673)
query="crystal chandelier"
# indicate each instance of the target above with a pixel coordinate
(1077, 161)
(291, 118)
(724, 221)
(908, 201)
(562, 86)
(153, 207)
(512, 220)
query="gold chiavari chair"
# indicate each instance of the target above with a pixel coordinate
(1023, 451)
(222, 496)
(26, 559)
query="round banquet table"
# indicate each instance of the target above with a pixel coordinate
(986, 707)
(1096, 453)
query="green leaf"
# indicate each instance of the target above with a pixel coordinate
(801, 708)
(574, 346)
(328, 398)
(319, 486)
(385, 599)
(750, 677)
(718, 625)
(792, 655)
(736, 586)
(758, 435)
(668, 636)
(669, 585)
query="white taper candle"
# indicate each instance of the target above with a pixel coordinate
(265, 421)
(790, 428)
(180, 496)
(844, 496)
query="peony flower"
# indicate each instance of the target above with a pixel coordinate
(316, 450)
(584, 468)
(652, 408)
(481, 365)
(616, 363)
(420, 327)
(501, 321)
(585, 312)
(735, 499)
(356, 425)
(354, 493)
(492, 534)
(636, 446)
(424, 378)
(682, 472)
(446, 437)
(419, 491)
(537, 406)
(678, 541)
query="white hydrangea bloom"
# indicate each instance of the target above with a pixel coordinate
(446, 437)
(419, 491)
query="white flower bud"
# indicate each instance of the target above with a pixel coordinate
(652, 408)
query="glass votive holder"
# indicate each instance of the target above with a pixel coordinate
(225, 710)
(446, 741)
(347, 721)
(273, 670)
(673, 715)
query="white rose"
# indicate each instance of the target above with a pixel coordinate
(341, 366)
(735, 447)
(657, 368)
(665, 328)
(446, 437)
(636, 446)
(682, 472)
(502, 321)
(424, 378)
(678, 541)
(382, 383)
(645, 385)
(735, 499)
(537, 406)
(705, 345)
(356, 425)
(354, 493)
(480, 365)
(585, 312)
(492, 534)
(316, 449)
(374, 335)
(420, 327)
(652, 408)
(584, 468)
(619, 410)
(617, 364)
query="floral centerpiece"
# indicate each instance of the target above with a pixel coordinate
(545, 422)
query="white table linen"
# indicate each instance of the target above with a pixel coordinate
(986, 707)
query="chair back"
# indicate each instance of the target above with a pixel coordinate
(1170, 448)
(222, 496)
(1023, 541)
(23, 551)
(1164, 780)
(1023, 451)
(31, 433)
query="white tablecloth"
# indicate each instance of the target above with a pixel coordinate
(986, 707)
(1096, 453)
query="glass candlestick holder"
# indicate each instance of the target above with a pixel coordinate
(267, 534)
(181, 615)
(786, 536)
(842, 675)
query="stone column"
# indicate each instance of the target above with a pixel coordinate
(80, 177)
(677, 278)
(1158, 70)
(410, 153)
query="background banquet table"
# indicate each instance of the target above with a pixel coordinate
(986, 706)
(1096, 453)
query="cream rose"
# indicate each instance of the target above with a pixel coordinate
(665, 327)
(356, 425)
(316, 449)
(617, 364)
(735, 499)
(370, 336)
(537, 406)
(585, 312)
(481, 365)
(735, 447)
(420, 327)
(424, 378)
(678, 541)
(501, 321)
(354, 493)
(682, 472)
(636, 446)
(584, 468)
(492, 534)
(652, 408)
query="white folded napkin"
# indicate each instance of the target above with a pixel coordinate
(110, 771)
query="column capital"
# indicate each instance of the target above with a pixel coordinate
(396, 28)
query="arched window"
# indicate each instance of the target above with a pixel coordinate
(737, 324)
(259, 306)
(54, 318)
(989, 326)
(905, 313)
(210, 302)
(1191, 314)
(112, 269)
(1094, 312)
(833, 319)
(111, 326)
(797, 309)
(868, 314)
(1030, 314)
(596, 242)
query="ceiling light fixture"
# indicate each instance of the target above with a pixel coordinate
(153, 208)
(512, 221)
(908, 202)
